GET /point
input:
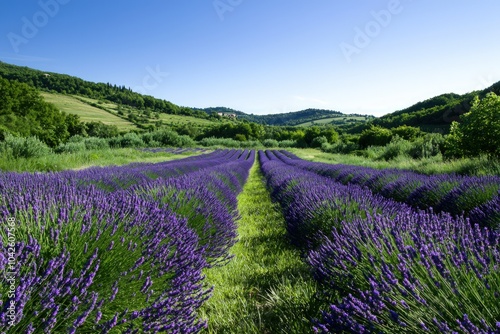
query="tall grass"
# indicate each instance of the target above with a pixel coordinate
(433, 165)
(86, 158)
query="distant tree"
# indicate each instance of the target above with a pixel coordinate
(240, 137)
(25, 113)
(319, 141)
(479, 129)
(101, 130)
(330, 134)
(375, 136)
(407, 132)
(311, 133)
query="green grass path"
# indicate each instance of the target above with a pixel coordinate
(266, 288)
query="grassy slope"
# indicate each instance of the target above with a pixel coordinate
(58, 162)
(86, 112)
(434, 165)
(81, 106)
(266, 288)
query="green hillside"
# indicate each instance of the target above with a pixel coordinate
(91, 110)
(434, 114)
(104, 92)
(128, 110)
(296, 118)
(340, 121)
(85, 111)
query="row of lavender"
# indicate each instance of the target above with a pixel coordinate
(476, 197)
(82, 258)
(385, 266)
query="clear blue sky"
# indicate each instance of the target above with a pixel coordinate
(263, 56)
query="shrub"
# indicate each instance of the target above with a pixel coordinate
(429, 146)
(131, 139)
(184, 141)
(407, 132)
(94, 143)
(76, 139)
(340, 147)
(70, 147)
(287, 143)
(375, 136)
(224, 142)
(20, 147)
(169, 138)
(479, 129)
(397, 147)
(240, 137)
(114, 142)
(251, 144)
(270, 143)
(147, 138)
(318, 141)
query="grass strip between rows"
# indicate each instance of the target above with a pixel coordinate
(266, 288)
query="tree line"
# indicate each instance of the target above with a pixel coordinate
(66, 84)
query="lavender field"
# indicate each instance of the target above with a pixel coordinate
(145, 248)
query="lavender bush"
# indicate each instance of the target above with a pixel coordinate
(396, 269)
(88, 259)
(450, 193)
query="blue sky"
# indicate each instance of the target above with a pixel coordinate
(262, 57)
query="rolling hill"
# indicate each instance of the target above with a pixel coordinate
(435, 114)
(297, 118)
(121, 106)
(109, 96)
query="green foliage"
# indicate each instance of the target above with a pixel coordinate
(168, 138)
(94, 143)
(185, 141)
(76, 139)
(453, 142)
(66, 84)
(311, 133)
(20, 147)
(397, 147)
(430, 145)
(270, 143)
(85, 158)
(23, 112)
(407, 132)
(479, 166)
(287, 143)
(70, 147)
(437, 113)
(479, 130)
(240, 137)
(344, 147)
(130, 139)
(101, 130)
(318, 141)
(220, 142)
(255, 144)
(375, 136)
(240, 131)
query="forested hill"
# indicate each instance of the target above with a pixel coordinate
(297, 117)
(284, 119)
(67, 84)
(434, 114)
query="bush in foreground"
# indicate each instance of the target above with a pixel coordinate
(90, 261)
(23, 147)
